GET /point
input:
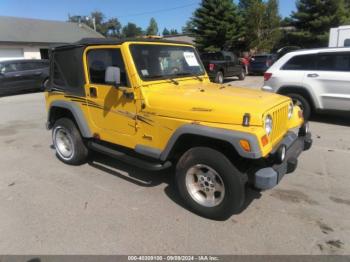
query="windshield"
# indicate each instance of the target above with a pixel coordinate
(165, 61)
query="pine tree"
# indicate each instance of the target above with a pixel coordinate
(152, 28)
(166, 31)
(173, 32)
(216, 25)
(314, 18)
(188, 28)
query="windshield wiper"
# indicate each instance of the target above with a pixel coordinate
(189, 74)
(162, 77)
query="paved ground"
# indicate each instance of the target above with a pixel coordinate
(106, 207)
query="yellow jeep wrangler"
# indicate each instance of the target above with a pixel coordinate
(151, 104)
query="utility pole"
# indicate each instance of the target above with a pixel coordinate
(94, 23)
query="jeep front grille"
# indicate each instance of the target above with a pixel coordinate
(280, 119)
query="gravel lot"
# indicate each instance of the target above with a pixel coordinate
(107, 207)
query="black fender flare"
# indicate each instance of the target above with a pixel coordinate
(230, 136)
(76, 112)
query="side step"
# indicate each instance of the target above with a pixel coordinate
(128, 159)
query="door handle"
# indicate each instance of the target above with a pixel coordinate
(313, 75)
(93, 91)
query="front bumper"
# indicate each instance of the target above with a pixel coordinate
(269, 176)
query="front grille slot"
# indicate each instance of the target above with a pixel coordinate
(280, 119)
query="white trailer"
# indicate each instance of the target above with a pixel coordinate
(339, 36)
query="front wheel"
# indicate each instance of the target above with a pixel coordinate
(209, 184)
(303, 103)
(68, 143)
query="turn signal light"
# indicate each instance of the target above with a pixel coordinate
(264, 140)
(245, 145)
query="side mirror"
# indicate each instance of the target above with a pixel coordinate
(112, 76)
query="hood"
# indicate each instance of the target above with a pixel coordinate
(209, 102)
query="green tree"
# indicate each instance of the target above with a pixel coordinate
(272, 24)
(166, 31)
(113, 27)
(314, 18)
(109, 28)
(243, 5)
(216, 25)
(152, 28)
(254, 25)
(188, 28)
(261, 24)
(174, 32)
(132, 30)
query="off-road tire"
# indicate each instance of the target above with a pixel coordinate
(233, 181)
(303, 102)
(219, 78)
(80, 152)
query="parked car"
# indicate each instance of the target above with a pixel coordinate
(150, 103)
(316, 79)
(222, 64)
(260, 63)
(23, 75)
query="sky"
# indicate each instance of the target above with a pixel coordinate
(169, 14)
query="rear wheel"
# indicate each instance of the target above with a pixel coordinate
(303, 103)
(219, 78)
(209, 184)
(241, 76)
(68, 143)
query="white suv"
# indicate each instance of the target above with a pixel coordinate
(316, 79)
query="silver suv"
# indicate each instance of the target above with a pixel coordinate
(316, 79)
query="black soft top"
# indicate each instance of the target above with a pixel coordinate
(66, 62)
(110, 41)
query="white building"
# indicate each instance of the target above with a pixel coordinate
(339, 36)
(30, 38)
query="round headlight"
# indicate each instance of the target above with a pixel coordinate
(290, 110)
(268, 125)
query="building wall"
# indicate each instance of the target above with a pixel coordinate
(28, 52)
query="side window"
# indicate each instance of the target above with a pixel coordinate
(100, 59)
(347, 42)
(220, 56)
(228, 56)
(234, 58)
(326, 62)
(343, 62)
(334, 62)
(27, 66)
(301, 62)
(8, 68)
